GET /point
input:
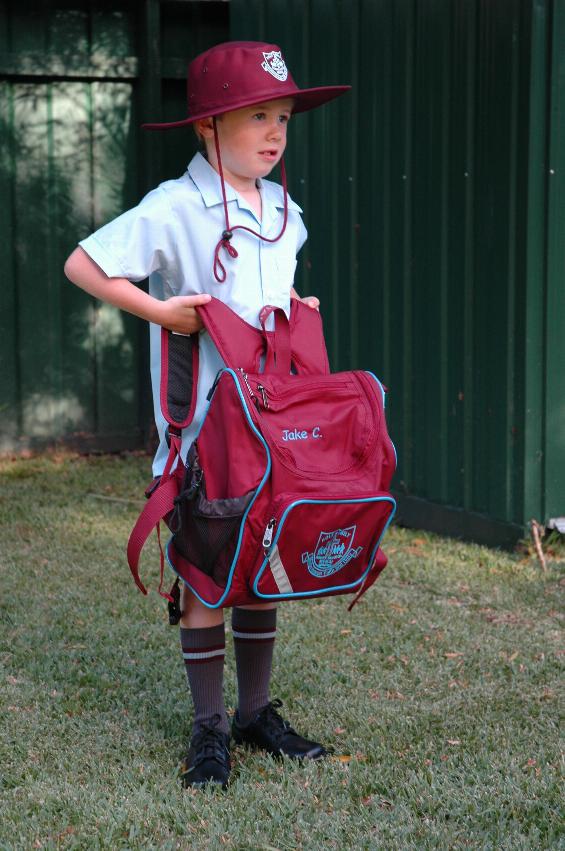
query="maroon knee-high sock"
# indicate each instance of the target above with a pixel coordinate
(254, 632)
(203, 652)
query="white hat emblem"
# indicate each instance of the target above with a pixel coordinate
(274, 64)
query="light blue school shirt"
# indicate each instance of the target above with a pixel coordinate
(170, 238)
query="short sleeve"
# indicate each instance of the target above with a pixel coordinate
(137, 243)
(302, 235)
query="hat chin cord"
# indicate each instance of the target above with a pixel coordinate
(220, 273)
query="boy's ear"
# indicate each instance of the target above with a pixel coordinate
(204, 128)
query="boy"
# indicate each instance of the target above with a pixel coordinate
(220, 230)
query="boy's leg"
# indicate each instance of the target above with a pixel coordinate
(257, 721)
(203, 648)
(254, 629)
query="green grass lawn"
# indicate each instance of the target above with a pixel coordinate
(439, 693)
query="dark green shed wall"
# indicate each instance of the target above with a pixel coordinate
(433, 193)
(77, 78)
(434, 197)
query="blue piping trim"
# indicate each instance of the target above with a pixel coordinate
(384, 408)
(249, 507)
(303, 594)
(372, 374)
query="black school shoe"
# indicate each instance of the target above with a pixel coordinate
(208, 757)
(273, 734)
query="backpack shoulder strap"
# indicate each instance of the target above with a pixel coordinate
(159, 505)
(377, 568)
(179, 377)
(179, 380)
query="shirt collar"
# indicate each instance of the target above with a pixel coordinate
(207, 181)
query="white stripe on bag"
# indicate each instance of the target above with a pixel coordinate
(279, 573)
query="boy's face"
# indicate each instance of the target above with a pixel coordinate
(252, 140)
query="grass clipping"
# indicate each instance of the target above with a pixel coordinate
(438, 694)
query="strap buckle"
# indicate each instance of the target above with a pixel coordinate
(172, 430)
(173, 605)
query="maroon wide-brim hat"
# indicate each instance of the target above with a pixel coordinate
(242, 73)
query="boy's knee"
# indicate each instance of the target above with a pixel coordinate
(195, 614)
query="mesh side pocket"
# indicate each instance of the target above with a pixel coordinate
(206, 531)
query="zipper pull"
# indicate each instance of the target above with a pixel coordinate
(263, 393)
(269, 531)
(248, 385)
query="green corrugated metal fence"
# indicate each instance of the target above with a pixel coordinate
(433, 192)
(76, 80)
(434, 197)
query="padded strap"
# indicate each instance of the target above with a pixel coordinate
(179, 377)
(278, 343)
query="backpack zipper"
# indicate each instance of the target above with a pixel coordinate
(263, 393)
(248, 385)
(269, 532)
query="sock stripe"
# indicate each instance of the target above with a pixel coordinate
(255, 634)
(203, 655)
(204, 649)
(266, 628)
(189, 663)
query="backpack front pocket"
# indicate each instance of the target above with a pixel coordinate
(320, 546)
(319, 426)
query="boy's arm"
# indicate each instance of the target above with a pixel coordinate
(175, 314)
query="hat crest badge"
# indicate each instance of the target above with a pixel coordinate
(275, 65)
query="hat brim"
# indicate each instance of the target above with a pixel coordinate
(304, 99)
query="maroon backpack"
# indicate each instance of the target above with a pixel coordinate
(285, 491)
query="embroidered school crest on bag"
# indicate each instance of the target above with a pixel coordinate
(274, 64)
(333, 551)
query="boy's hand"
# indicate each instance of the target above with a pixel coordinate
(178, 314)
(310, 300)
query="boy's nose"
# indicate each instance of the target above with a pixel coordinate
(275, 131)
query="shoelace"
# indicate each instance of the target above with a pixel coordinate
(209, 743)
(280, 728)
